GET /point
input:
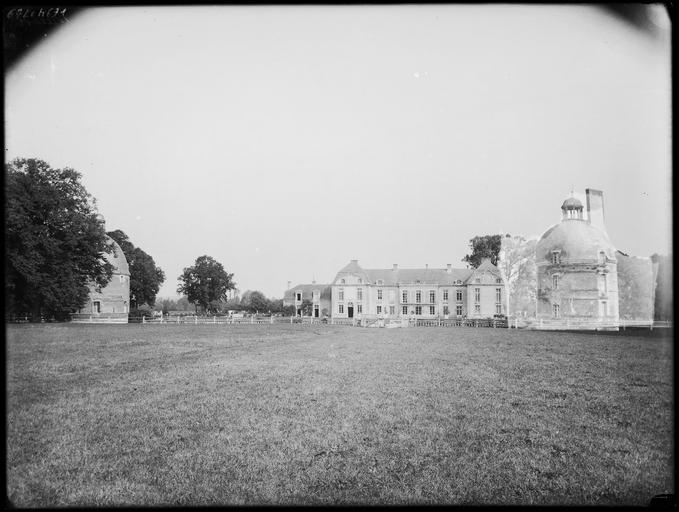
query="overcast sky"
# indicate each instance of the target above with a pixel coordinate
(285, 141)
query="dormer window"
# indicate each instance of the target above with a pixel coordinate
(498, 280)
(477, 280)
(360, 281)
(556, 257)
(343, 281)
(602, 257)
(380, 282)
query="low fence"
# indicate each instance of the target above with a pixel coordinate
(462, 322)
(365, 321)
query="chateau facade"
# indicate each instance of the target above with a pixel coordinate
(418, 293)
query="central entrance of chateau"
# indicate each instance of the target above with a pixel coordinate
(350, 311)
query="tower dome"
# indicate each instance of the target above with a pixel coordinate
(572, 208)
(576, 242)
(117, 259)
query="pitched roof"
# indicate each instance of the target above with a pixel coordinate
(306, 290)
(394, 276)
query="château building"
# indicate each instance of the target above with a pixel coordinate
(317, 294)
(419, 293)
(583, 282)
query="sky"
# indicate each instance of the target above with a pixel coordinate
(284, 141)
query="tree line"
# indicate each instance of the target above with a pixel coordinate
(56, 247)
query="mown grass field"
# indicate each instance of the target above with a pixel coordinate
(291, 414)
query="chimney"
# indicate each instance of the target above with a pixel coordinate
(449, 268)
(395, 266)
(595, 208)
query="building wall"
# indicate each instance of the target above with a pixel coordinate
(369, 302)
(636, 288)
(586, 293)
(113, 298)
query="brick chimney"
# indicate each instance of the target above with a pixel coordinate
(595, 208)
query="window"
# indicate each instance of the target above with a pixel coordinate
(379, 310)
(404, 310)
(477, 280)
(498, 280)
(477, 294)
(458, 295)
(418, 310)
(379, 294)
(556, 257)
(557, 312)
(343, 281)
(432, 296)
(555, 282)
(445, 295)
(458, 282)
(96, 306)
(604, 308)
(392, 310)
(458, 310)
(432, 310)
(498, 309)
(602, 257)
(359, 294)
(498, 294)
(477, 308)
(360, 281)
(122, 279)
(405, 296)
(340, 308)
(341, 294)
(299, 296)
(380, 282)
(359, 308)
(446, 311)
(418, 296)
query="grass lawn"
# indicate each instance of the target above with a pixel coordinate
(292, 414)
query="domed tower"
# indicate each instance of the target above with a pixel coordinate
(110, 303)
(577, 274)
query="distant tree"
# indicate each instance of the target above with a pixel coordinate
(204, 282)
(183, 304)
(145, 276)
(276, 305)
(259, 303)
(288, 310)
(55, 244)
(516, 264)
(487, 246)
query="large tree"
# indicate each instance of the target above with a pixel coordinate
(487, 246)
(204, 282)
(55, 244)
(145, 276)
